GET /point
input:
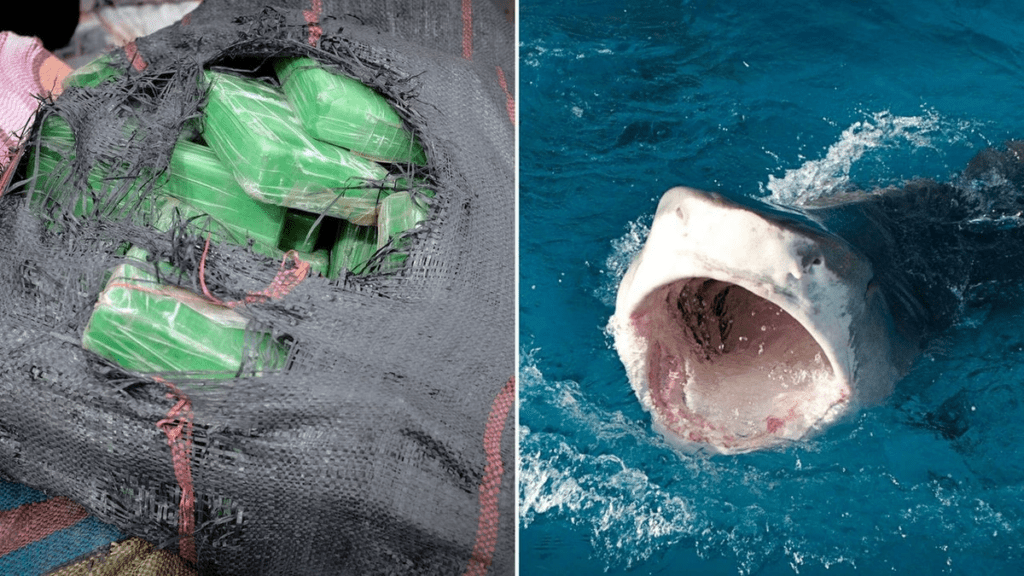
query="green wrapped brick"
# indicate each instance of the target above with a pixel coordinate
(354, 247)
(296, 237)
(52, 164)
(342, 111)
(167, 211)
(255, 132)
(319, 261)
(200, 179)
(50, 170)
(296, 234)
(94, 73)
(398, 214)
(47, 162)
(56, 134)
(147, 327)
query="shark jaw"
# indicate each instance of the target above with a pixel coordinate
(732, 370)
(743, 329)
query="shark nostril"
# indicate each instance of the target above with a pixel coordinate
(809, 257)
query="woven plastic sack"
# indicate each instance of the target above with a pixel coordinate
(385, 445)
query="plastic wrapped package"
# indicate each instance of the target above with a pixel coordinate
(386, 444)
(199, 178)
(254, 130)
(301, 231)
(47, 165)
(112, 193)
(345, 112)
(399, 213)
(354, 247)
(94, 73)
(148, 327)
(165, 212)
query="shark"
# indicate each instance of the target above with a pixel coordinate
(745, 325)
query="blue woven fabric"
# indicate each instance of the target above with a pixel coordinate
(56, 549)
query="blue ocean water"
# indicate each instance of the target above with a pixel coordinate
(622, 100)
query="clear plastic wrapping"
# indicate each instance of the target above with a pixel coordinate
(149, 327)
(254, 130)
(344, 112)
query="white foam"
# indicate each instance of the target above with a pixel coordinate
(624, 249)
(626, 515)
(629, 517)
(757, 513)
(823, 177)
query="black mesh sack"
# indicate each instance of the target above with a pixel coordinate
(380, 438)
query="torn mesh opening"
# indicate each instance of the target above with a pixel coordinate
(364, 453)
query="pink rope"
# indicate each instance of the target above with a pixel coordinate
(487, 529)
(178, 428)
(284, 281)
(313, 20)
(132, 52)
(202, 273)
(510, 103)
(467, 29)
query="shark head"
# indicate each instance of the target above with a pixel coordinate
(744, 326)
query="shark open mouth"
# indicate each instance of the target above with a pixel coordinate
(728, 368)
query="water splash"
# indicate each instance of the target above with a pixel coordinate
(626, 515)
(882, 130)
(861, 141)
(624, 249)
(879, 483)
